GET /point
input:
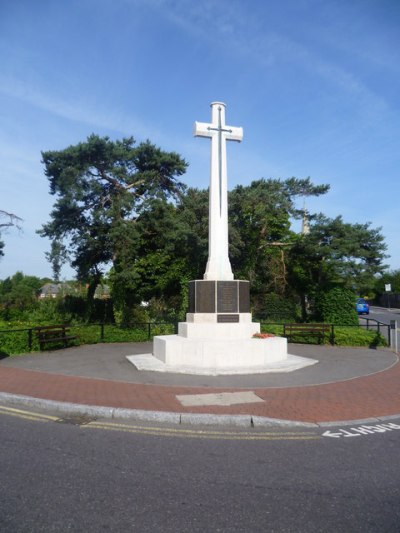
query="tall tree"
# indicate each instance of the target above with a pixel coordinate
(335, 253)
(171, 250)
(102, 188)
(261, 235)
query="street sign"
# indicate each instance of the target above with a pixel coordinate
(388, 287)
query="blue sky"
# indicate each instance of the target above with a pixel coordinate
(315, 85)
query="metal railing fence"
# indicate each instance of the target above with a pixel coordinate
(370, 324)
(145, 331)
(142, 331)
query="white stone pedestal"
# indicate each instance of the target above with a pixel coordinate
(203, 344)
(218, 353)
(206, 347)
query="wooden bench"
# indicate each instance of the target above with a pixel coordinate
(53, 334)
(315, 330)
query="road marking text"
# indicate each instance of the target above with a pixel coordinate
(361, 430)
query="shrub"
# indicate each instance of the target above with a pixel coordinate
(336, 306)
(358, 337)
(17, 342)
(344, 336)
(48, 312)
(277, 307)
(275, 329)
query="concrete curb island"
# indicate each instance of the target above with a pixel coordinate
(347, 387)
(175, 418)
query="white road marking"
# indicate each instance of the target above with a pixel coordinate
(361, 430)
(221, 398)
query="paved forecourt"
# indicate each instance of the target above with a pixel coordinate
(346, 384)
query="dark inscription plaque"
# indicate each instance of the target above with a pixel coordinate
(227, 318)
(205, 296)
(244, 297)
(227, 297)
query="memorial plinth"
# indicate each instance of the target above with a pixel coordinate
(218, 333)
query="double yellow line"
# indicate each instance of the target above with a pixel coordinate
(206, 434)
(27, 415)
(203, 434)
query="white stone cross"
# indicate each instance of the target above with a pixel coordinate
(218, 264)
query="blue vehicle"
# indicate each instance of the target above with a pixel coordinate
(362, 306)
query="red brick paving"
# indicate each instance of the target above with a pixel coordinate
(371, 396)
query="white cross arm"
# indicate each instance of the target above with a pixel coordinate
(201, 129)
(234, 134)
(205, 129)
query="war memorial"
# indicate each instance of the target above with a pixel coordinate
(218, 335)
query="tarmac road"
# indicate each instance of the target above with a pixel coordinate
(68, 471)
(62, 476)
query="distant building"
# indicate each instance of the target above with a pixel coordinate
(102, 292)
(50, 290)
(53, 290)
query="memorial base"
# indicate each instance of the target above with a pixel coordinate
(218, 353)
(205, 345)
(217, 337)
(212, 357)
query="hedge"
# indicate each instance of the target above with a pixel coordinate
(336, 306)
(16, 342)
(344, 336)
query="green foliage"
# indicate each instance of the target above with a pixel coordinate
(260, 233)
(344, 336)
(48, 311)
(392, 277)
(57, 257)
(133, 333)
(75, 309)
(192, 234)
(103, 188)
(121, 205)
(18, 294)
(336, 306)
(276, 329)
(184, 299)
(171, 249)
(16, 341)
(359, 337)
(276, 308)
(335, 252)
(19, 301)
